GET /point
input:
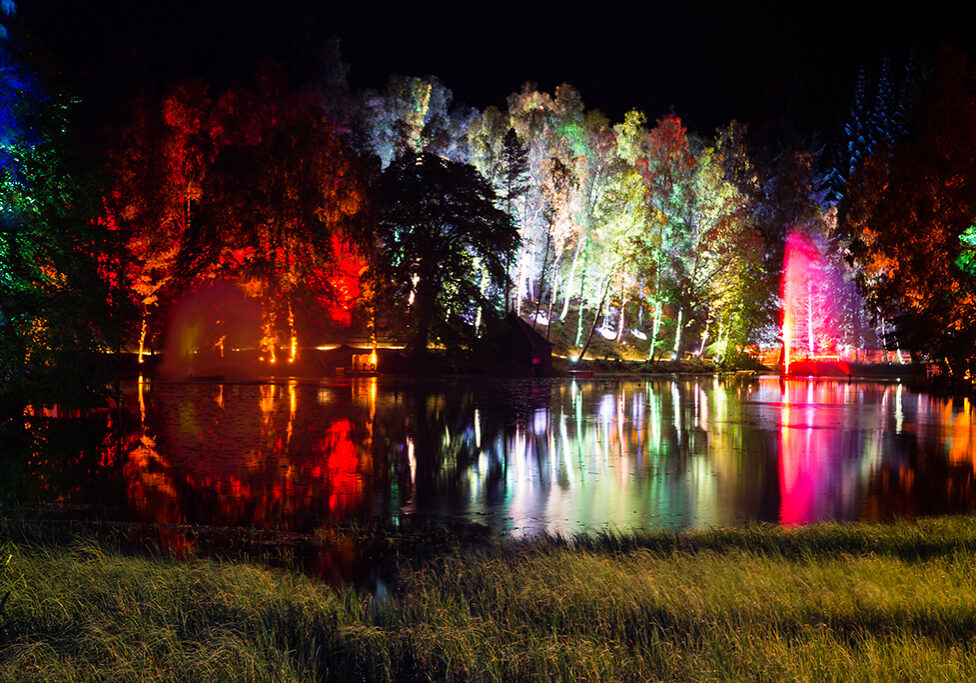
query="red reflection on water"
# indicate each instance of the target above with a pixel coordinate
(268, 457)
(342, 465)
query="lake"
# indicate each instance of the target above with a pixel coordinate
(520, 457)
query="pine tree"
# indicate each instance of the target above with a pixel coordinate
(882, 131)
(857, 129)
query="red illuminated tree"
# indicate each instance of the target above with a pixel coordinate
(285, 189)
(158, 174)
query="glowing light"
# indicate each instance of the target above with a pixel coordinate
(807, 329)
(142, 400)
(142, 339)
(294, 336)
(269, 341)
(411, 461)
(414, 279)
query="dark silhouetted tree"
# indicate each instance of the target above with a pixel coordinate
(437, 227)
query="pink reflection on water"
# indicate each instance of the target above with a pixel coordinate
(816, 481)
(806, 450)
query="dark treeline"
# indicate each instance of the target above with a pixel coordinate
(330, 215)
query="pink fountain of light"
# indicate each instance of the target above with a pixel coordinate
(809, 293)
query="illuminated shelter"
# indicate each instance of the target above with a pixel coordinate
(526, 351)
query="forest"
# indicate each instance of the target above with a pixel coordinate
(305, 213)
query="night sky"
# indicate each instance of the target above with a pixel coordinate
(710, 62)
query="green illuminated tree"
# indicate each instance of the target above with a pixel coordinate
(58, 308)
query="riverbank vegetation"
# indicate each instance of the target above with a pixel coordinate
(827, 602)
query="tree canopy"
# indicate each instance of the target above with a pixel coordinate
(438, 231)
(912, 214)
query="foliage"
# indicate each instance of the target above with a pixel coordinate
(59, 308)
(283, 189)
(911, 213)
(647, 234)
(437, 227)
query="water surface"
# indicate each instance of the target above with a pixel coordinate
(521, 457)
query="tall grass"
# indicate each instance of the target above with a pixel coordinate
(830, 602)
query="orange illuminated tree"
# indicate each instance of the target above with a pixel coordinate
(157, 177)
(912, 214)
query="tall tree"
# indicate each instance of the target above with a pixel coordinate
(437, 225)
(513, 185)
(157, 174)
(912, 212)
(59, 304)
(283, 187)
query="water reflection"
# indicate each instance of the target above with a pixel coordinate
(521, 457)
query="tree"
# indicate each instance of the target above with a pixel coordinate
(514, 184)
(157, 175)
(912, 213)
(283, 187)
(58, 305)
(437, 225)
(666, 165)
(415, 115)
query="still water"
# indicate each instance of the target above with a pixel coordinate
(519, 457)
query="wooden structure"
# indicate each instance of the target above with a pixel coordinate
(525, 350)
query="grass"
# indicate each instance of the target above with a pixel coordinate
(828, 602)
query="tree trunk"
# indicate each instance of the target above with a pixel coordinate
(552, 298)
(654, 330)
(596, 320)
(582, 300)
(142, 332)
(425, 314)
(520, 281)
(542, 279)
(677, 334)
(481, 289)
(640, 307)
(569, 280)
(292, 336)
(623, 308)
(810, 340)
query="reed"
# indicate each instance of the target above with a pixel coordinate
(827, 602)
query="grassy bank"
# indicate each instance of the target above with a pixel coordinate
(822, 603)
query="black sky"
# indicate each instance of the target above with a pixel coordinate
(708, 61)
